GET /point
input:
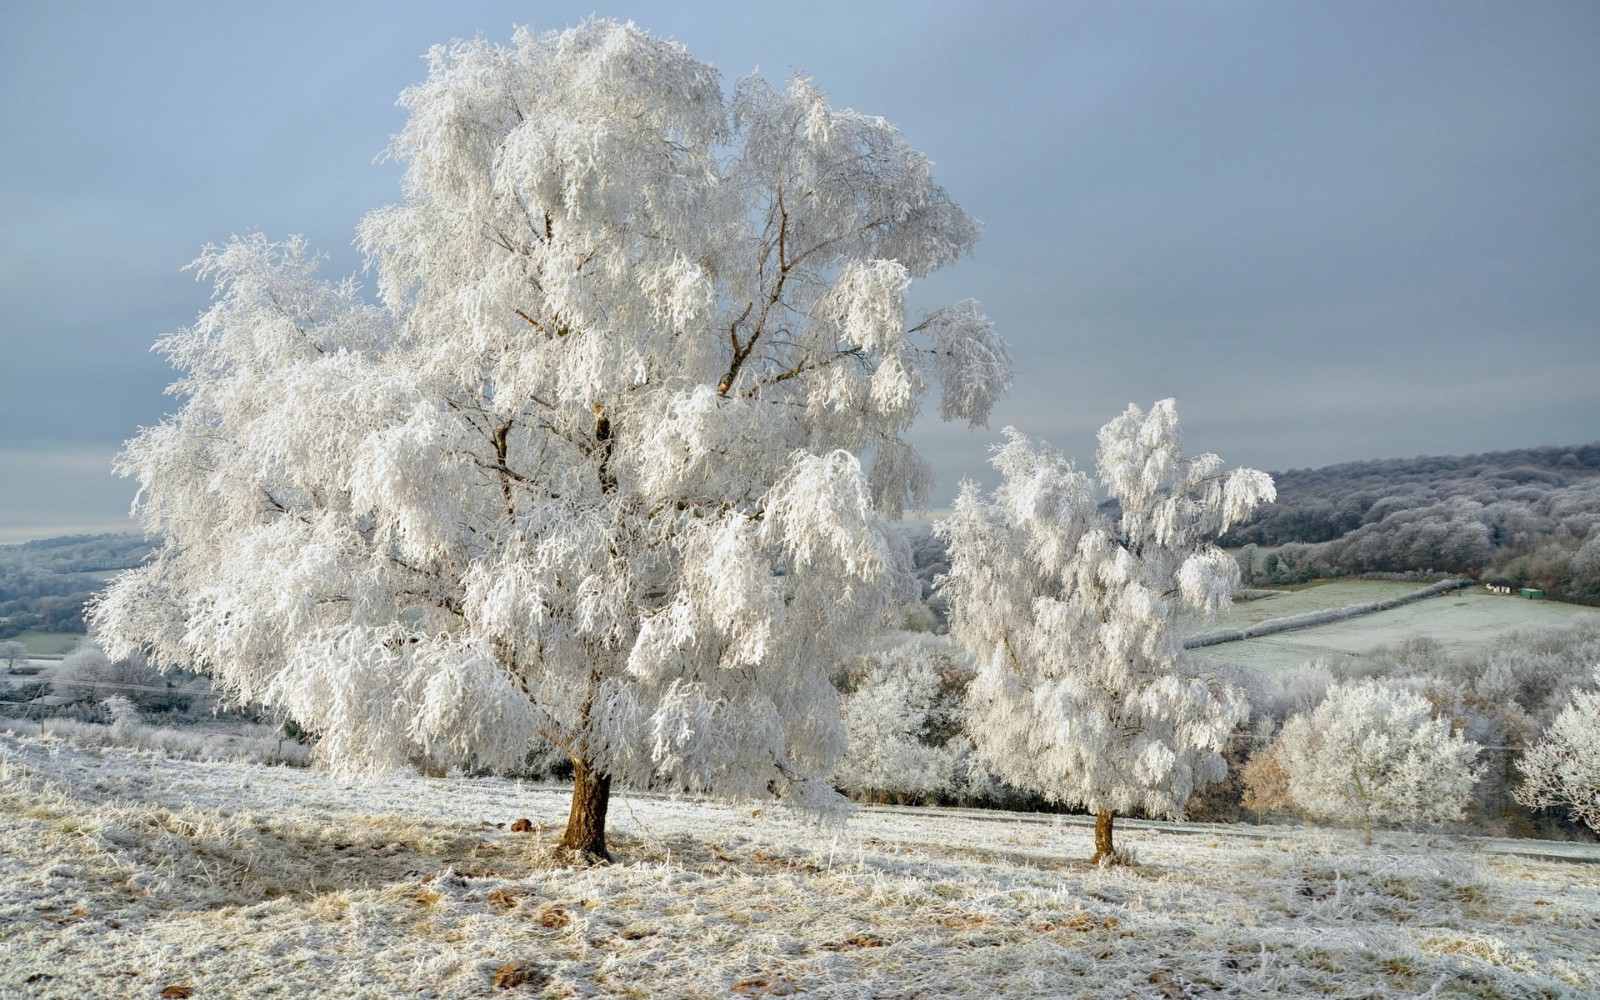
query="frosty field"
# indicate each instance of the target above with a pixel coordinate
(126, 873)
(1316, 597)
(1460, 621)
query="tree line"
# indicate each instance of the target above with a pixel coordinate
(45, 583)
(1529, 517)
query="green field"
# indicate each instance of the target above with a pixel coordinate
(49, 643)
(1320, 596)
(1460, 622)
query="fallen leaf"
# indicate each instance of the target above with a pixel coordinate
(503, 899)
(514, 974)
(758, 985)
(555, 917)
(522, 826)
(858, 941)
(177, 992)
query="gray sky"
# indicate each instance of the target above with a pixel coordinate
(1333, 231)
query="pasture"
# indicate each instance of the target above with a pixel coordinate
(1459, 622)
(129, 874)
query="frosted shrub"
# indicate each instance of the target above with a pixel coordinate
(1562, 770)
(124, 719)
(1373, 753)
(88, 675)
(1084, 692)
(897, 715)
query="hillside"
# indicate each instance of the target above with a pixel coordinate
(130, 875)
(43, 584)
(1531, 516)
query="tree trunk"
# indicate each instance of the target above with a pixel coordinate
(586, 822)
(1103, 849)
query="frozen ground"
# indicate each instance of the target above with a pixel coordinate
(1460, 621)
(126, 874)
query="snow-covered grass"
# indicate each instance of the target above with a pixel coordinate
(126, 873)
(259, 744)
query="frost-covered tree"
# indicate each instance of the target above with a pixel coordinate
(1562, 770)
(1084, 692)
(896, 711)
(87, 674)
(589, 469)
(124, 718)
(1374, 752)
(1266, 783)
(12, 653)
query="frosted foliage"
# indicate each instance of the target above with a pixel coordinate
(1372, 752)
(588, 469)
(1084, 692)
(894, 702)
(1562, 770)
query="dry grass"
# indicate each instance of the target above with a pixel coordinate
(128, 875)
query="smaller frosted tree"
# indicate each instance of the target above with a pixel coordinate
(1372, 753)
(1563, 769)
(1266, 783)
(12, 653)
(1084, 693)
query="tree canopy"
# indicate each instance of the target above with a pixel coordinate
(1374, 752)
(1562, 770)
(607, 461)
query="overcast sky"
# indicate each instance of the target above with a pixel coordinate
(1333, 231)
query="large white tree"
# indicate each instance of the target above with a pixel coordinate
(1562, 770)
(591, 468)
(1084, 692)
(1373, 752)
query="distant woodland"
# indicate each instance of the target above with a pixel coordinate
(43, 584)
(1529, 517)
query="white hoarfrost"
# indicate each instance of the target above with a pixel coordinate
(1084, 692)
(1374, 752)
(1562, 770)
(897, 712)
(128, 874)
(588, 469)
